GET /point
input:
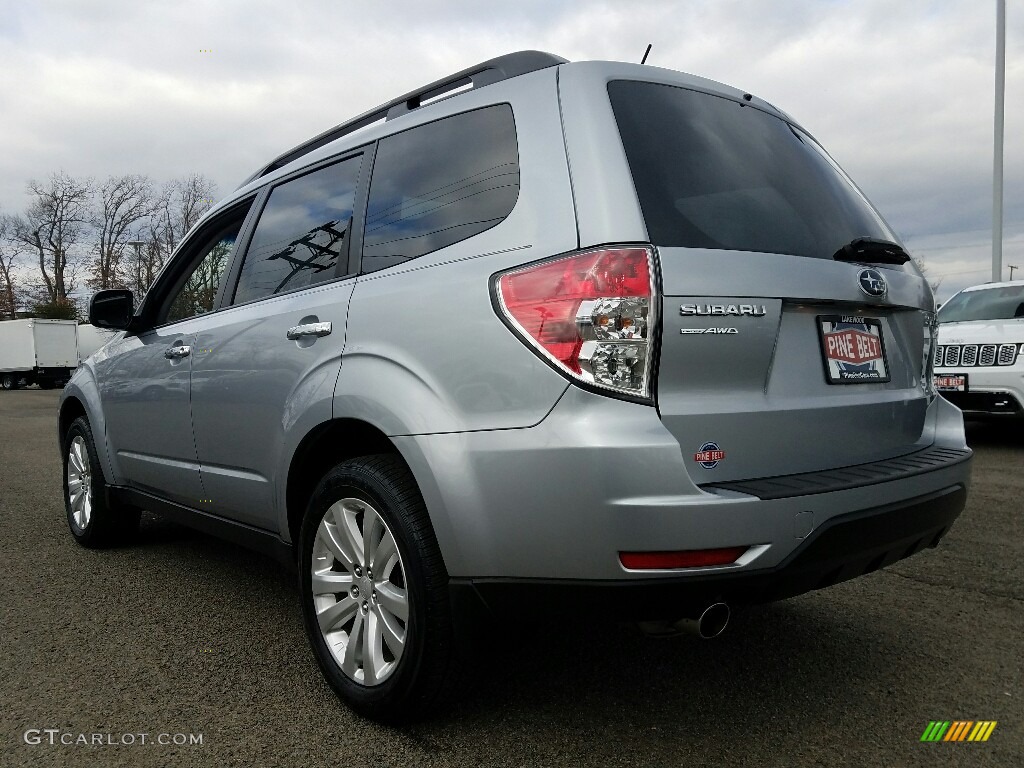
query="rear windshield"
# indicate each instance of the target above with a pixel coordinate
(1003, 303)
(713, 173)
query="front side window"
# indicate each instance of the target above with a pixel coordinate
(302, 234)
(713, 173)
(440, 183)
(198, 292)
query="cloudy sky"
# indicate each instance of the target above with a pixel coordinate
(901, 93)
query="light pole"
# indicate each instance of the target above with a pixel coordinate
(997, 170)
(137, 245)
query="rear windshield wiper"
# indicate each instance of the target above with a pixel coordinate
(872, 251)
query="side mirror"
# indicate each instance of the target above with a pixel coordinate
(113, 308)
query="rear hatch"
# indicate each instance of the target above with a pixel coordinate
(781, 352)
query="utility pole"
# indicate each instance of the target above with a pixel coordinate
(1012, 267)
(137, 245)
(997, 170)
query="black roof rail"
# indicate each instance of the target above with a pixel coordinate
(485, 73)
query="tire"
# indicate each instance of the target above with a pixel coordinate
(382, 679)
(94, 522)
(9, 381)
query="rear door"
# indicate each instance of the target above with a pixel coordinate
(56, 343)
(779, 354)
(270, 362)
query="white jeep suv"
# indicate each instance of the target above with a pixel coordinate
(979, 360)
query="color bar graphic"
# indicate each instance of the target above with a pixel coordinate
(958, 730)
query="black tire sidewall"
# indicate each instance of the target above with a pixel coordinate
(396, 696)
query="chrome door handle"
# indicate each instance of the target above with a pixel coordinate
(176, 353)
(309, 329)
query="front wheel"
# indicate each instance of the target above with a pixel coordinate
(375, 591)
(94, 521)
(9, 381)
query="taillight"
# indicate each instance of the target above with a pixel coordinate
(590, 314)
(928, 357)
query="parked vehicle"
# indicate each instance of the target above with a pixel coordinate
(979, 360)
(37, 351)
(581, 337)
(91, 338)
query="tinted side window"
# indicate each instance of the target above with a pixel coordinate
(713, 173)
(440, 183)
(302, 233)
(198, 293)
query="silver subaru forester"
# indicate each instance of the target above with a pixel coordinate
(540, 337)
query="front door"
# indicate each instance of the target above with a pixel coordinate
(145, 378)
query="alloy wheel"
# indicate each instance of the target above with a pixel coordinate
(79, 482)
(359, 591)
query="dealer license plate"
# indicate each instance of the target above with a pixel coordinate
(852, 349)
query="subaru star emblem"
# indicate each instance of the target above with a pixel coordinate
(872, 282)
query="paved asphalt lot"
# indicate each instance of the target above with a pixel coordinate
(184, 634)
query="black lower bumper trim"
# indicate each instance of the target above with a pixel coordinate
(987, 403)
(843, 479)
(842, 548)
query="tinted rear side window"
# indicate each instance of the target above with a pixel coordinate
(713, 173)
(302, 234)
(440, 183)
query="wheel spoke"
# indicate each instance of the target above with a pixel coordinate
(331, 582)
(393, 600)
(393, 634)
(82, 461)
(74, 460)
(372, 529)
(328, 534)
(350, 664)
(383, 553)
(373, 649)
(338, 614)
(348, 530)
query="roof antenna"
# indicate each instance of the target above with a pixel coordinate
(644, 59)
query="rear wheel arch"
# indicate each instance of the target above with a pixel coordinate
(320, 450)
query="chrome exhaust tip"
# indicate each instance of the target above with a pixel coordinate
(711, 622)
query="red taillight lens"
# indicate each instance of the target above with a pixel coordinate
(693, 558)
(590, 313)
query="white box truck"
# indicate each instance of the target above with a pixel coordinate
(37, 351)
(91, 338)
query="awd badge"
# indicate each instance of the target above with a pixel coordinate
(709, 455)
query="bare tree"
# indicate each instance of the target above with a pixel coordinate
(57, 218)
(925, 272)
(10, 251)
(123, 206)
(175, 210)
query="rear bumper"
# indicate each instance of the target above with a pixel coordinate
(560, 501)
(842, 548)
